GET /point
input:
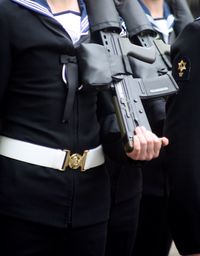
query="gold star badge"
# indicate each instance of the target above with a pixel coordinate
(181, 68)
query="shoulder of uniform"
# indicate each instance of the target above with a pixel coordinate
(5, 4)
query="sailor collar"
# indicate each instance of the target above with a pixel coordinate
(42, 7)
(167, 15)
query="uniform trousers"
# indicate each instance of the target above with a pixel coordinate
(153, 236)
(24, 238)
(126, 188)
(123, 226)
(184, 224)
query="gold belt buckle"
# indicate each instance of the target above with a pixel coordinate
(74, 161)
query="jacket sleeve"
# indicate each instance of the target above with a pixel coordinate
(5, 54)
(182, 13)
(182, 122)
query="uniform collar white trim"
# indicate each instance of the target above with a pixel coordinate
(42, 7)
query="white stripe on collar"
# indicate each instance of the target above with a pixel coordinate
(34, 6)
(84, 26)
(37, 7)
(170, 22)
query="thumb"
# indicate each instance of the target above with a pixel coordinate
(164, 141)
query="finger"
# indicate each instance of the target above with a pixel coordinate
(161, 142)
(164, 141)
(139, 133)
(150, 143)
(135, 153)
(157, 146)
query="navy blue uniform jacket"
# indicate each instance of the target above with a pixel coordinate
(32, 102)
(154, 173)
(182, 129)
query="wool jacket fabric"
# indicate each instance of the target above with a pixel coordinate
(35, 108)
(182, 128)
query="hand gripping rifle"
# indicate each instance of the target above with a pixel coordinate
(109, 63)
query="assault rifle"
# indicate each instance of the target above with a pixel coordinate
(128, 91)
(116, 57)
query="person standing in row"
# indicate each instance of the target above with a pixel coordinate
(153, 236)
(182, 158)
(126, 180)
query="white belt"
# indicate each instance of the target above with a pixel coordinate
(49, 157)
